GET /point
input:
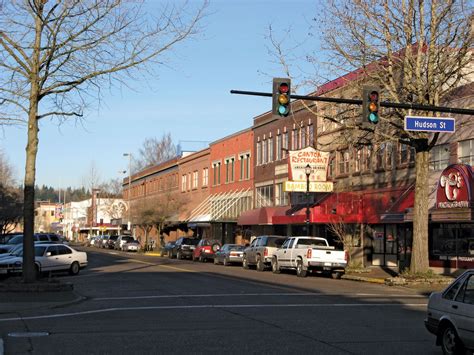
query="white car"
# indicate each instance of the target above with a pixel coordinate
(450, 315)
(48, 257)
(132, 245)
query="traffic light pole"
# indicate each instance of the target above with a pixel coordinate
(430, 108)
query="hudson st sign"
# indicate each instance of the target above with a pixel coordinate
(429, 124)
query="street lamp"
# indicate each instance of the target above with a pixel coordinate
(129, 155)
(307, 171)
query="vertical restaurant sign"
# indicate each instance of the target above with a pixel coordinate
(299, 159)
(455, 187)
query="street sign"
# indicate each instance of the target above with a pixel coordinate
(429, 124)
(298, 186)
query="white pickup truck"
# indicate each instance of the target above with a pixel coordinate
(309, 253)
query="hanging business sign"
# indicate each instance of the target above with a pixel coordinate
(317, 160)
(315, 186)
(456, 187)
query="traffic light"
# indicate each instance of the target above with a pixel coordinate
(370, 104)
(281, 96)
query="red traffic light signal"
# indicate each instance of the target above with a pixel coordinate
(281, 96)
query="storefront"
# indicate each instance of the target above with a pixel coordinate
(452, 227)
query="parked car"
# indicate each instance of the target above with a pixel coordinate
(48, 257)
(131, 245)
(37, 237)
(450, 315)
(4, 238)
(110, 243)
(183, 248)
(165, 249)
(229, 254)
(260, 251)
(306, 253)
(103, 240)
(121, 240)
(206, 249)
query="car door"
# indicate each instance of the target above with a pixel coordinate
(463, 311)
(283, 254)
(47, 258)
(251, 250)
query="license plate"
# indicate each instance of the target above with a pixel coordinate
(327, 264)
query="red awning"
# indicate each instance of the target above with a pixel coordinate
(259, 216)
(370, 206)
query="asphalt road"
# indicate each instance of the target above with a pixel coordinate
(151, 305)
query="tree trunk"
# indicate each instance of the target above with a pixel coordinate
(419, 256)
(29, 273)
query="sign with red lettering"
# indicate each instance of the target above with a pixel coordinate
(455, 187)
(298, 160)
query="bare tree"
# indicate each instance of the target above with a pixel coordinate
(6, 171)
(416, 51)
(57, 56)
(155, 151)
(154, 212)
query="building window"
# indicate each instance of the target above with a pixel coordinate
(285, 144)
(331, 166)
(404, 154)
(264, 196)
(278, 147)
(389, 155)
(270, 149)
(229, 170)
(466, 152)
(244, 166)
(301, 137)
(367, 163)
(189, 181)
(358, 160)
(184, 182)
(216, 167)
(294, 140)
(264, 152)
(344, 162)
(380, 156)
(205, 176)
(281, 197)
(259, 153)
(195, 179)
(247, 166)
(310, 135)
(439, 157)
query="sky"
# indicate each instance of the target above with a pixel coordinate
(190, 99)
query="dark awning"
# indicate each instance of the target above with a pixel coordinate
(259, 216)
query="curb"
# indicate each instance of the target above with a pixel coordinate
(364, 279)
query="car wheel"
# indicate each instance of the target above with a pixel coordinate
(450, 343)
(74, 269)
(336, 275)
(260, 264)
(245, 262)
(300, 271)
(275, 266)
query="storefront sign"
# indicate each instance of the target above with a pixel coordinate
(297, 186)
(455, 187)
(299, 159)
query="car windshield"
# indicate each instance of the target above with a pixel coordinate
(275, 242)
(16, 240)
(127, 239)
(132, 241)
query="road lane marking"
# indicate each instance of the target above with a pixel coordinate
(210, 306)
(368, 295)
(164, 266)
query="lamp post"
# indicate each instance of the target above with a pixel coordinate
(307, 171)
(129, 155)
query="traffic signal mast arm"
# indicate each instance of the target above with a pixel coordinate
(462, 111)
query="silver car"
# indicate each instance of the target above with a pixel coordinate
(229, 253)
(451, 315)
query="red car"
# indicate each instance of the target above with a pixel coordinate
(206, 249)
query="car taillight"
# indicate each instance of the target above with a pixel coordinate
(309, 253)
(265, 252)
